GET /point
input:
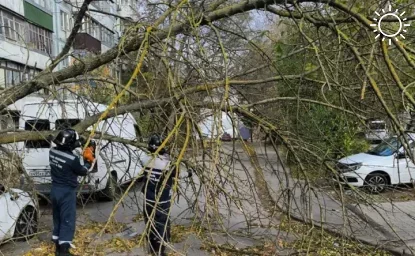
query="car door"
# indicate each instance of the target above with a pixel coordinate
(3, 215)
(135, 168)
(9, 212)
(410, 164)
(119, 160)
(406, 167)
(127, 130)
(114, 152)
(35, 153)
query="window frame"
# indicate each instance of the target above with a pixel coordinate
(60, 123)
(40, 38)
(10, 69)
(37, 143)
(66, 21)
(13, 28)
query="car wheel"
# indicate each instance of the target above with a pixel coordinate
(376, 183)
(26, 225)
(110, 191)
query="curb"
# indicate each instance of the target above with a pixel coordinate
(369, 220)
(401, 251)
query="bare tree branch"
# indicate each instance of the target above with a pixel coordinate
(133, 43)
(74, 32)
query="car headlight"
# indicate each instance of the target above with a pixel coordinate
(348, 167)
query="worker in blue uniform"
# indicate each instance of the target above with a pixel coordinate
(157, 190)
(65, 169)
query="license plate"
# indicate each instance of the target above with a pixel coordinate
(40, 174)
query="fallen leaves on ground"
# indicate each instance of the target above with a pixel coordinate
(309, 240)
(180, 232)
(118, 244)
(86, 241)
(315, 241)
(139, 217)
(265, 249)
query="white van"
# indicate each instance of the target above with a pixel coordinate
(116, 163)
(376, 131)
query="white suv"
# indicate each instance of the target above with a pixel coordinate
(386, 164)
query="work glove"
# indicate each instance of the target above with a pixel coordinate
(185, 174)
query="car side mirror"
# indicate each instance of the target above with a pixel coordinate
(400, 155)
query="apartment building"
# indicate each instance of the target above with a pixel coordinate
(25, 40)
(128, 9)
(32, 32)
(99, 31)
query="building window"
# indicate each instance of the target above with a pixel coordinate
(107, 37)
(65, 62)
(66, 23)
(128, 2)
(40, 39)
(91, 27)
(12, 74)
(98, 31)
(9, 78)
(15, 29)
(2, 79)
(12, 27)
(17, 77)
(45, 4)
(9, 120)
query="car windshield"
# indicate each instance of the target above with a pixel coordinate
(386, 148)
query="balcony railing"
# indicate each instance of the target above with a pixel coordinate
(84, 41)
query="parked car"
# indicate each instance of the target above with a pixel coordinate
(117, 163)
(226, 137)
(376, 131)
(386, 164)
(18, 214)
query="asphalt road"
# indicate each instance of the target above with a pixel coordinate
(227, 201)
(87, 210)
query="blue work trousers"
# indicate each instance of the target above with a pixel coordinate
(156, 215)
(64, 212)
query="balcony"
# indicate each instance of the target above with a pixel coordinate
(84, 41)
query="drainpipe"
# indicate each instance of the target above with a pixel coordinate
(56, 22)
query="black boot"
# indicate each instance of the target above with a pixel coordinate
(56, 242)
(162, 250)
(64, 250)
(157, 249)
(152, 248)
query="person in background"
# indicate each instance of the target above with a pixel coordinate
(65, 169)
(157, 190)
